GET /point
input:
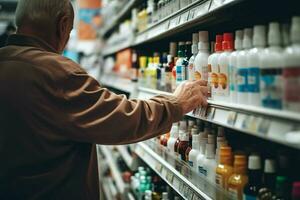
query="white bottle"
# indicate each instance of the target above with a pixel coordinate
(209, 163)
(201, 60)
(195, 150)
(242, 70)
(191, 74)
(259, 44)
(201, 155)
(223, 63)
(174, 134)
(213, 65)
(291, 71)
(271, 62)
(238, 44)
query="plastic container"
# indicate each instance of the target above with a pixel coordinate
(223, 63)
(192, 157)
(238, 44)
(191, 69)
(271, 63)
(242, 68)
(181, 64)
(291, 71)
(213, 65)
(201, 60)
(209, 162)
(259, 43)
(224, 168)
(174, 134)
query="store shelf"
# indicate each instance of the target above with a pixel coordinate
(119, 83)
(118, 18)
(176, 173)
(117, 176)
(111, 49)
(109, 189)
(269, 124)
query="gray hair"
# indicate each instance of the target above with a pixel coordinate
(39, 11)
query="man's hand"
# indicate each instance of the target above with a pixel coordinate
(191, 95)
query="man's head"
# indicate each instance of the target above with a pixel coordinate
(50, 20)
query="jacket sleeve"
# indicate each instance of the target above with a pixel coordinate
(83, 111)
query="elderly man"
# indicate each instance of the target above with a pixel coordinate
(52, 112)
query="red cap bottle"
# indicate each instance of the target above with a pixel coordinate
(228, 42)
(218, 45)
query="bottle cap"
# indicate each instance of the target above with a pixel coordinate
(247, 39)
(227, 43)
(240, 160)
(296, 190)
(181, 43)
(194, 131)
(285, 31)
(210, 151)
(203, 40)
(165, 196)
(281, 182)
(183, 125)
(173, 49)
(225, 155)
(196, 138)
(203, 142)
(269, 166)
(259, 36)
(254, 162)
(295, 29)
(238, 42)
(274, 36)
(211, 139)
(195, 38)
(218, 44)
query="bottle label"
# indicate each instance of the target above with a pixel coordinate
(214, 80)
(197, 75)
(242, 74)
(204, 72)
(219, 180)
(249, 197)
(233, 77)
(291, 85)
(233, 193)
(191, 74)
(271, 88)
(184, 72)
(179, 74)
(253, 79)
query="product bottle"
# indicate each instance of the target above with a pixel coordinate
(201, 60)
(221, 141)
(201, 155)
(223, 63)
(254, 175)
(191, 68)
(182, 130)
(224, 169)
(259, 43)
(191, 125)
(281, 189)
(173, 52)
(174, 134)
(168, 73)
(165, 196)
(181, 64)
(151, 73)
(239, 178)
(213, 65)
(242, 70)
(209, 162)
(158, 67)
(194, 132)
(296, 191)
(192, 157)
(238, 44)
(269, 180)
(134, 67)
(142, 70)
(271, 63)
(183, 145)
(291, 70)
(162, 85)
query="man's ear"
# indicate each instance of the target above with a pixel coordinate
(62, 26)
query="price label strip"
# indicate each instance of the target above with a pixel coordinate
(184, 17)
(210, 113)
(264, 126)
(231, 118)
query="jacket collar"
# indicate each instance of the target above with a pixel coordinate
(25, 40)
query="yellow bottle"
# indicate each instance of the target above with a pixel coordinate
(239, 178)
(224, 169)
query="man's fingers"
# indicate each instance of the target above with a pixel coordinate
(201, 82)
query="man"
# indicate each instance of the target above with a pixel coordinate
(10, 29)
(52, 113)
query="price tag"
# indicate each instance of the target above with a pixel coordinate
(210, 113)
(231, 118)
(196, 197)
(189, 194)
(176, 183)
(184, 17)
(178, 20)
(164, 173)
(263, 126)
(158, 167)
(170, 177)
(172, 23)
(181, 187)
(185, 190)
(215, 4)
(240, 120)
(167, 25)
(191, 14)
(253, 125)
(246, 122)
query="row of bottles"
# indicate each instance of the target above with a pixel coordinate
(146, 185)
(258, 67)
(208, 153)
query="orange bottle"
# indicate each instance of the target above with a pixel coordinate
(239, 178)
(224, 169)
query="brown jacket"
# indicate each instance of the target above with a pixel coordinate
(51, 115)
